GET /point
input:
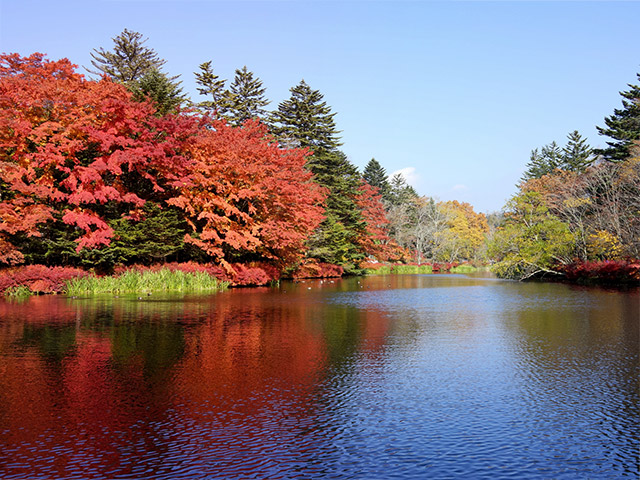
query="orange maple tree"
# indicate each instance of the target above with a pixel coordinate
(69, 145)
(246, 195)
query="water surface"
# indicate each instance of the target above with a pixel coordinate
(412, 376)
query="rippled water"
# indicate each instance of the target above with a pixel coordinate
(425, 376)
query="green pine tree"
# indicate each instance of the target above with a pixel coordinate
(129, 60)
(246, 98)
(376, 176)
(577, 155)
(305, 120)
(544, 162)
(623, 127)
(336, 239)
(401, 192)
(212, 86)
(157, 87)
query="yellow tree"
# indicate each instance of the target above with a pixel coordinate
(464, 233)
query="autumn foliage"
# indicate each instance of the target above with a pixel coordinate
(70, 146)
(246, 195)
(38, 278)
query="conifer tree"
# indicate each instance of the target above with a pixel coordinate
(155, 86)
(246, 98)
(130, 59)
(543, 162)
(376, 176)
(623, 127)
(212, 86)
(305, 120)
(336, 239)
(576, 155)
(401, 192)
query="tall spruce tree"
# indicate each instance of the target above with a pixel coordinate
(543, 162)
(129, 60)
(623, 127)
(376, 176)
(212, 87)
(305, 120)
(246, 98)
(577, 155)
(401, 192)
(336, 239)
(157, 87)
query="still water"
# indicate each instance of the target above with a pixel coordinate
(415, 376)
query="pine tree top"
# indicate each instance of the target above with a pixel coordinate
(129, 60)
(623, 127)
(306, 119)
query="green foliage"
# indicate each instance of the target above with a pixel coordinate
(463, 269)
(246, 98)
(155, 86)
(376, 176)
(543, 162)
(146, 282)
(305, 120)
(401, 192)
(531, 241)
(211, 86)
(335, 241)
(18, 291)
(623, 127)
(412, 269)
(154, 238)
(577, 155)
(129, 61)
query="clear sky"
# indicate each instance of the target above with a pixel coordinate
(455, 94)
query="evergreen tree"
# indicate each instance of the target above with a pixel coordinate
(246, 98)
(155, 86)
(576, 155)
(336, 239)
(212, 86)
(623, 127)
(305, 120)
(376, 176)
(129, 61)
(401, 192)
(543, 162)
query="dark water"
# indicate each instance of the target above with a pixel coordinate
(381, 377)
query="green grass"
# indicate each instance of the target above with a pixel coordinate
(399, 269)
(412, 269)
(146, 282)
(18, 291)
(383, 270)
(463, 269)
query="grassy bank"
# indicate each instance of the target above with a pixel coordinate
(382, 269)
(146, 282)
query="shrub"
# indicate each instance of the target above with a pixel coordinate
(37, 278)
(606, 271)
(311, 268)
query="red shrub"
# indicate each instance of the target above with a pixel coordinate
(611, 271)
(249, 276)
(313, 269)
(38, 278)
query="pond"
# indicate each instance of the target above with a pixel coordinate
(407, 376)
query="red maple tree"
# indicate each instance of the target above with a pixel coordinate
(69, 145)
(245, 194)
(375, 240)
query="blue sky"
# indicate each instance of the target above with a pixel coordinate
(455, 94)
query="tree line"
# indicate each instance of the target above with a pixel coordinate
(124, 168)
